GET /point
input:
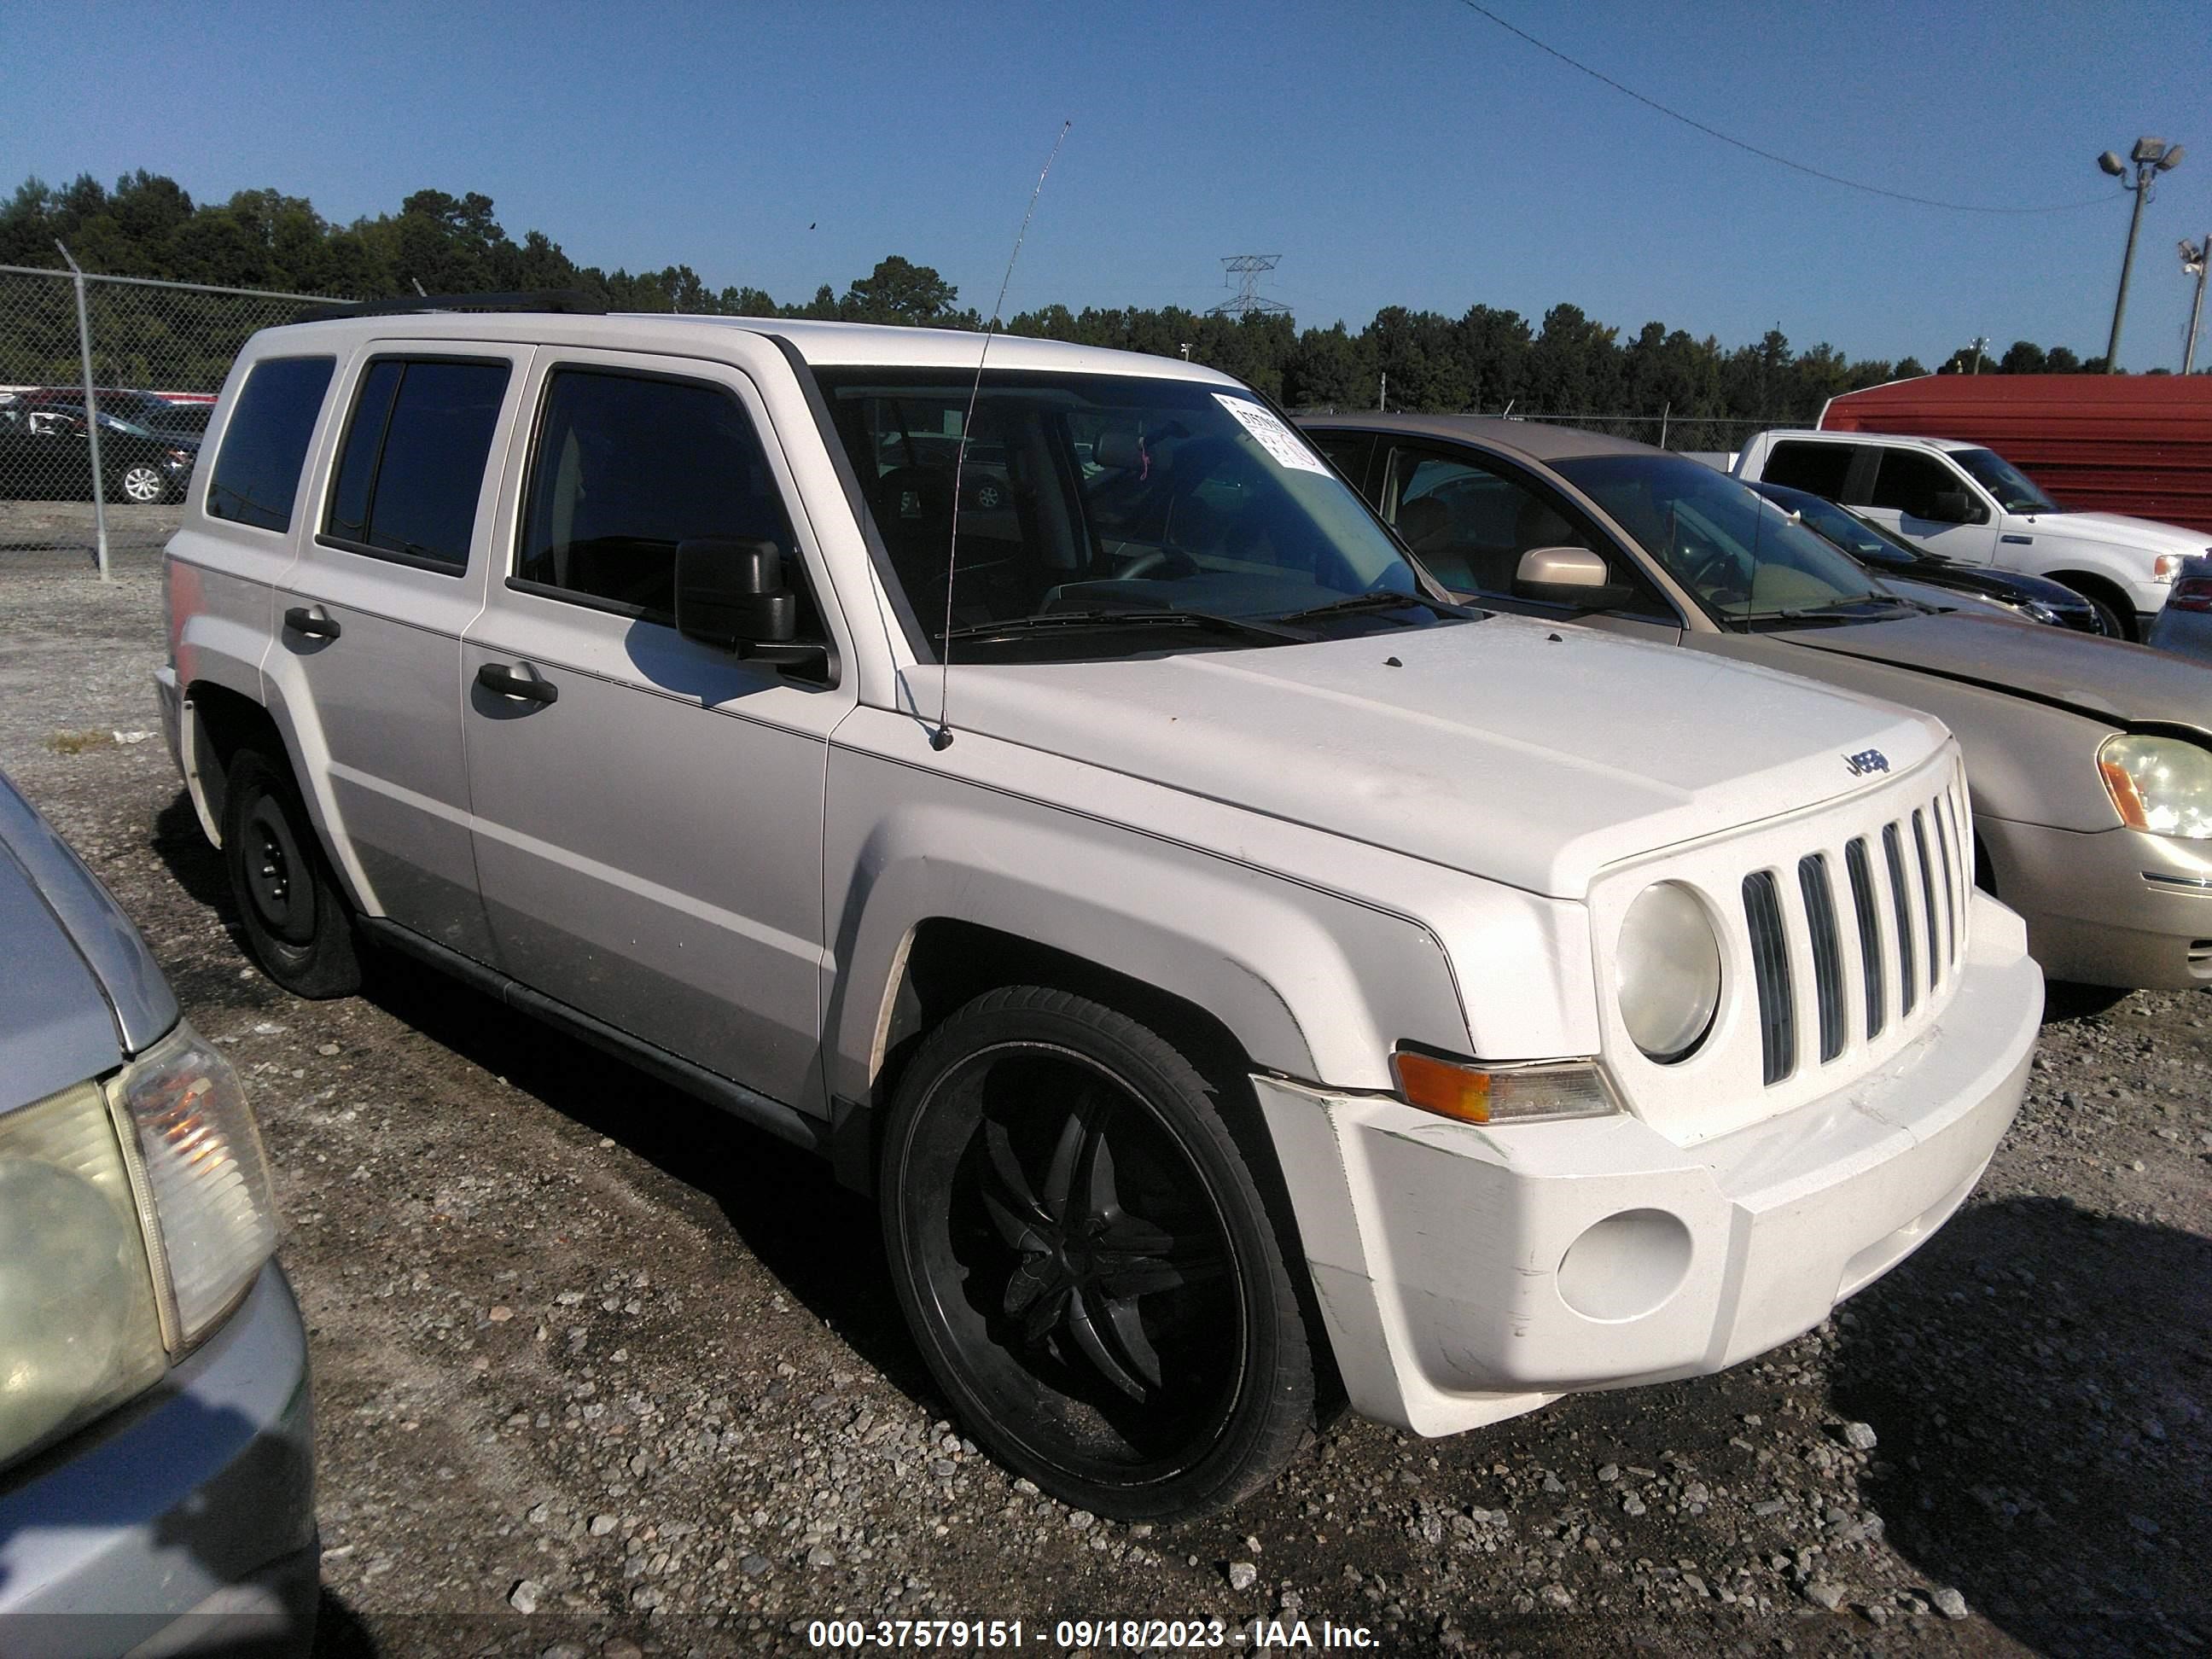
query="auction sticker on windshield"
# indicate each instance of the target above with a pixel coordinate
(1278, 439)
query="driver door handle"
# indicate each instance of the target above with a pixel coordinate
(300, 619)
(510, 683)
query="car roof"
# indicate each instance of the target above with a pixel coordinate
(821, 344)
(1535, 440)
(1899, 440)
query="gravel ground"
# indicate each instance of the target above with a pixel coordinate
(600, 1373)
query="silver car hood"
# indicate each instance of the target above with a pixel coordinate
(79, 991)
(2127, 684)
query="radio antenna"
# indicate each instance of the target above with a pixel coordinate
(942, 738)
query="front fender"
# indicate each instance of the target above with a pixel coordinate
(1311, 983)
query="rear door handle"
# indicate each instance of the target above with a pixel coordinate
(498, 677)
(312, 622)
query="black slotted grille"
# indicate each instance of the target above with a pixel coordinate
(1928, 900)
(1892, 852)
(1861, 869)
(1770, 971)
(1827, 952)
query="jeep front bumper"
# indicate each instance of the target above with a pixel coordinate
(1467, 1274)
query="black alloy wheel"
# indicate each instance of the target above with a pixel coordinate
(294, 918)
(1086, 1263)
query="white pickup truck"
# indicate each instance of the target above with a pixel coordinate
(1969, 504)
(1241, 972)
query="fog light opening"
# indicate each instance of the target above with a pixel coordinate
(1626, 1266)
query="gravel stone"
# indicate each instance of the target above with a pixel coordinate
(524, 1597)
(1243, 1575)
(1859, 1437)
(1825, 1592)
(1947, 1601)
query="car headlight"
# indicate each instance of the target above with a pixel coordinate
(133, 1218)
(2163, 785)
(79, 1332)
(1666, 972)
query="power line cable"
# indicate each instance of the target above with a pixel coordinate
(1768, 155)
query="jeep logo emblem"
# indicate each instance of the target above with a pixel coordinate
(1866, 761)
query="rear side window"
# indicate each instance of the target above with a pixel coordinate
(257, 472)
(1817, 469)
(628, 466)
(412, 465)
(1910, 482)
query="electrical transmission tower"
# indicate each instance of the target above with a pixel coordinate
(1243, 273)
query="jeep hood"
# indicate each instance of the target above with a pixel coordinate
(2110, 679)
(1504, 748)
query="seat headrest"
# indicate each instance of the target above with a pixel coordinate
(1539, 524)
(1422, 520)
(909, 494)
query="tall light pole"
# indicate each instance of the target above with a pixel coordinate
(2151, 156)
(2194, 257)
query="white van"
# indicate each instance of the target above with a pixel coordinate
(1968, 503)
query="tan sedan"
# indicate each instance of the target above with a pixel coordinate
(2090, 760)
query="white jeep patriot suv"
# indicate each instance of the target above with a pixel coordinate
(1046, 789)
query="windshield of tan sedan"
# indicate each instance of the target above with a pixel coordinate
(1745, 556)
(2015, 492)
(1084, 495)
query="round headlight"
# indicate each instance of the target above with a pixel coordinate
(1666, 972)
(2163, 785)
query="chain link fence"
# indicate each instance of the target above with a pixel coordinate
(113, 378)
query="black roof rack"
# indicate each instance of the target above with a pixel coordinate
(573, 301)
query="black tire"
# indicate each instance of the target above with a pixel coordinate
(296, 920)
(1085, 1262)
(140, 483)
(2110, 622)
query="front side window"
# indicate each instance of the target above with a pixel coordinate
(625, 467)
(412, 468)
(1088, 507)
(2015, 492)
(1470, 524)
(1818, 469)
(1745, 556)
(256, 473)
(1909, 483)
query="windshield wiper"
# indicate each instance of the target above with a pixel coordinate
(1833, 606)
(1353, 604)
(1049, 620)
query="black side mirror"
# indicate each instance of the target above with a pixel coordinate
(730, 594)
(1952, 507)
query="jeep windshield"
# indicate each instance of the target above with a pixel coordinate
(1090, 509)
(2015, 492)
(1748, 560)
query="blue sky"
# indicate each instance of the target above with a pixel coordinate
(1397, 151)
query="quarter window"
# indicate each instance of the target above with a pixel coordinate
(256, 475)
(625, 467)
(1817, 469)
(412, 466)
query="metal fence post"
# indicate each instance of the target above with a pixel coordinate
(91, 418)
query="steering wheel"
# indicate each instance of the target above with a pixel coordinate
(1711, 570)
(1153, 559)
